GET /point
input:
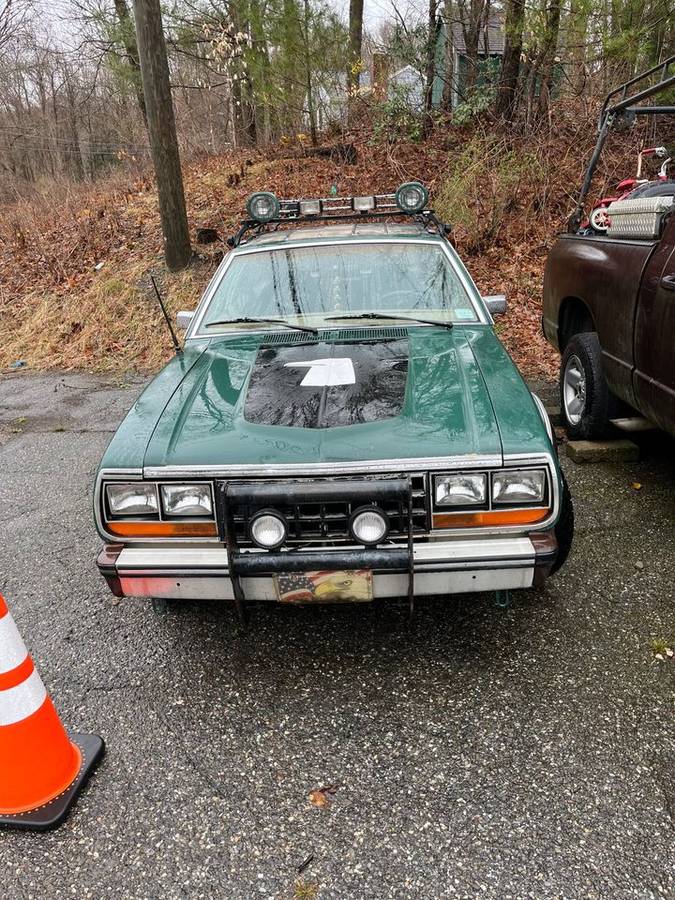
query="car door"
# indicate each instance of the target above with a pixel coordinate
(655, 335)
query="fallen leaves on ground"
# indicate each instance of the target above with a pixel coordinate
(319, 797)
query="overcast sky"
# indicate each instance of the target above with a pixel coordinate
(374, 11)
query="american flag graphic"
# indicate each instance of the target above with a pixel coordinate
(326, 587)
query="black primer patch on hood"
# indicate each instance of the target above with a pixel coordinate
(276, 395)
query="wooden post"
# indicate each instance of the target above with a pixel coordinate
(162, 132)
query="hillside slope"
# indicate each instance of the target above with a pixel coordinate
(75, 260)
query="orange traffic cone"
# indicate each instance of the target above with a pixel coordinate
(41, 768)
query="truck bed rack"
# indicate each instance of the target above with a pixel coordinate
(622, 104)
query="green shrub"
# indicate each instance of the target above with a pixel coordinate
(397, 117)
(486, 182)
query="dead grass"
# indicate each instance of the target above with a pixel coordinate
(75, 259)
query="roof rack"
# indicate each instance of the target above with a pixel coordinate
(267, 213)
(623, 111)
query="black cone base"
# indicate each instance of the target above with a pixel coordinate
(52, 814)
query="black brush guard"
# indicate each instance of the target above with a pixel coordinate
(270, 495)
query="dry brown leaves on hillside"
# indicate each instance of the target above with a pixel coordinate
(75, 260)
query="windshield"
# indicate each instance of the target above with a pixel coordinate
(308, 285)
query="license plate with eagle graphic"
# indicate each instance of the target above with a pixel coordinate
(349, 586)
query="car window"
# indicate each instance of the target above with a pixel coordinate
(307, 284)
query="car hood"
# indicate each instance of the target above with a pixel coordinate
(373, 394)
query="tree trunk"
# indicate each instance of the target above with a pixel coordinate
(577, 36)
(448, 73)
(430, 66)
(471, 17)
(261, 75)
(355, 43)
(75, 161)
(548, 55)
(162, 132)
(128, 36)
(507, 91)
(292, 75)
(311, 111)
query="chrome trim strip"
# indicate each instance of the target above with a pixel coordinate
(280, 470)
(211, 560)
(120, 474)
(544, 417)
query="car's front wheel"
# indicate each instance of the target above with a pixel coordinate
(585, 400)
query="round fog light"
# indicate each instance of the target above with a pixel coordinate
(369, 526)
(263, 206)
(412, 197)
(268, 530)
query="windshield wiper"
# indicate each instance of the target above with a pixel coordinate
(248, 320)
(390, 316)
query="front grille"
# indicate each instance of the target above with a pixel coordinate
(326, 522)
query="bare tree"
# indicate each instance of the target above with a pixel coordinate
(128, 37)
(449, 66)
(430, 68)
(355, 45)
(473, 18)
(506, 101)
(13, 14)
(162, 132)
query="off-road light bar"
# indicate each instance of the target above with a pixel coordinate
(411, 198)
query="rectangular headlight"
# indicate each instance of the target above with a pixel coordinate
(460, 490)
(310, 207)
(135, 499)
(187, 500)
(519, 486)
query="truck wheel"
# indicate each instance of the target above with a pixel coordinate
(564, 529)
(585, 399)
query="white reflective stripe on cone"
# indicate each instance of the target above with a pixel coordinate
(12, 648)
(17, 703)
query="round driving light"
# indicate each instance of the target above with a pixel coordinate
(412, 197)
(268, 530)
(263, 206)
(369, 525)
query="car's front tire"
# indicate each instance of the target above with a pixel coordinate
(585, 400)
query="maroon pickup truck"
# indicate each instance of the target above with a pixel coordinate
(609, 307)
(609, 289)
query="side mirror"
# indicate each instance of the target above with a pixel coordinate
(184, 318)
(496, 304)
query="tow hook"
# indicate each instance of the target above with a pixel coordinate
(503, 599)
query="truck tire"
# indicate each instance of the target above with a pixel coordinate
(564, 527)
(585, 400)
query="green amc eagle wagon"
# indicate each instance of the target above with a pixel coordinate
(343, 424)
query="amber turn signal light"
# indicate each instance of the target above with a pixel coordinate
(490, 517)
(163, 529)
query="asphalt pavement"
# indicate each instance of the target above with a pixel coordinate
(480, 752)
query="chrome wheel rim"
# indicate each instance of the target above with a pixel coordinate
(574, 390)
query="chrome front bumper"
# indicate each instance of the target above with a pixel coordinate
(440, 568)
